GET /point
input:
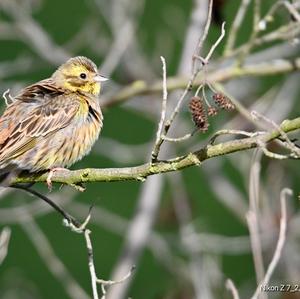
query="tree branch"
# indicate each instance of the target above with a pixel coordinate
(140, 173)
(273, 67)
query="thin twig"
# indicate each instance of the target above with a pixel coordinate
(4, 241)
(82, 227)
(178, 139)
(253, 216)
(94, 279)
(159, 139)
(35, 208)
(280, 243)
(215, 45)
(112, 282)
(66, 215)
(256, 15)
(285, 32)
(234, 132)
(91, 263)
(203, 37)
(255, 30)
(255, 245)
(239, 17)
(290, 145)
(269, 16)
(232, 288)
(272, 155)
(53, 263)
(292, 10)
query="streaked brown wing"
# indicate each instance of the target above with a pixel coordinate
(39, 91)
(29, 118)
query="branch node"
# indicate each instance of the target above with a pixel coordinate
(141, 178)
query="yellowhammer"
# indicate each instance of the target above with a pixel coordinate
(52, 123)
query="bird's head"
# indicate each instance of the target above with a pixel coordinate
(79, 74)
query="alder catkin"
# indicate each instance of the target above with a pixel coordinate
(223, 102)
(198, 112)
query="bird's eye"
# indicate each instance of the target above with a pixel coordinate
(83, 75)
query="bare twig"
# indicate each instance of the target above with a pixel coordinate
(159, 139)
(215, 45)
(82, 227)
(36, 208)
(234, 132)
(253, 216)
(289, 144)
(194, 32)
(280, 243)
(4, 241)
(285, 32)
(292, 10)
(54, 264)
(91, 263)
(178, 139)
(289, 6)
(271, 154)
(255, 245)
(69, 218)
(256, 15)
(203, 36)
(255, 31)
(239, 17)
(94, 280)
(232, 288)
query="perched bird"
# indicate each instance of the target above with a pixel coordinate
(53, 123)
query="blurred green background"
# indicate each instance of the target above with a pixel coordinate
(83, 28)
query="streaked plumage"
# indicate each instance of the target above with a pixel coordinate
(54, 122)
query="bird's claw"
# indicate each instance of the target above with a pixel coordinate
(50, 175)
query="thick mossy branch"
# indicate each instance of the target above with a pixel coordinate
(140, 173)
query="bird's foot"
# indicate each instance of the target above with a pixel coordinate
(50, 175)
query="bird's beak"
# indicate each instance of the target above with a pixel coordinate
(100, 78)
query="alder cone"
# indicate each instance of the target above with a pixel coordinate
(223, 102)
(198, 113)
